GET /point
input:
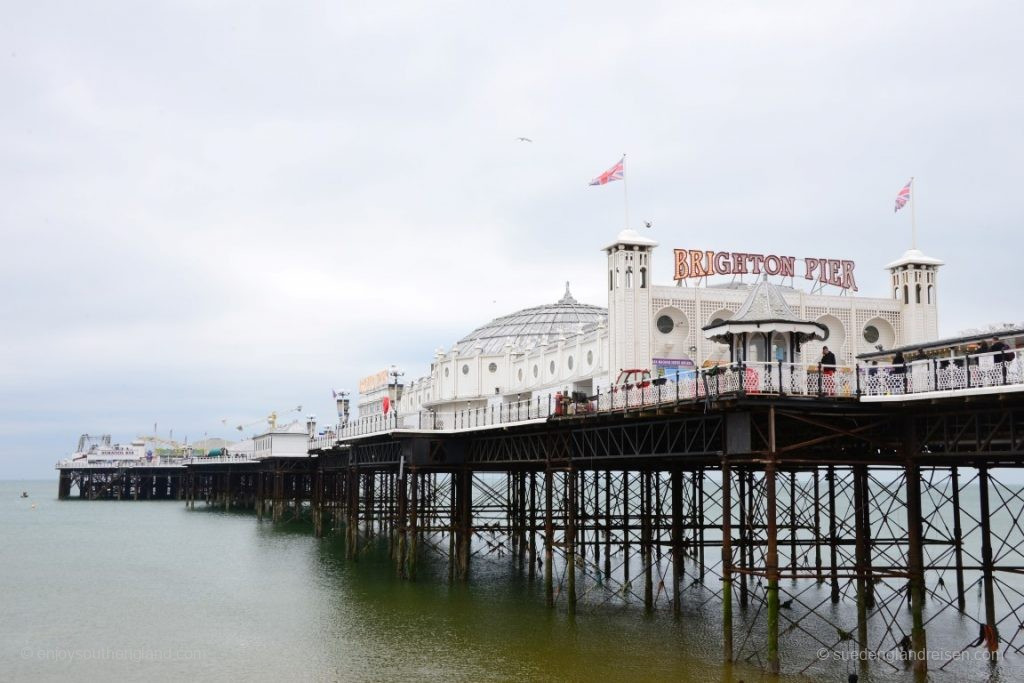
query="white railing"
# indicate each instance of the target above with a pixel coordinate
(750, 379)
(974, 371)
(704, 384)
(68, 463)
(217, 459)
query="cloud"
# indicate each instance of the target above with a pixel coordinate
(213, 209)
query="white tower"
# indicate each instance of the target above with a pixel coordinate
(913, 281)
(629, 302)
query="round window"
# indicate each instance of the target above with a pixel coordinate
(590, 357)
(465, 369)
(520, 374)
(551, 367)
(569, 362)
(536, 370)
(666, 324)
(870, 334)
(493, 367)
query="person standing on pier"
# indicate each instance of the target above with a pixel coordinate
(828, 369)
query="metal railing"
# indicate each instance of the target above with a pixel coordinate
(216, 459)
(708, 384)
(68, 463)
(971, 371)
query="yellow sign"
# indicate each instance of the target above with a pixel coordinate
(373, 382)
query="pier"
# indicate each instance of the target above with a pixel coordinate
(811, 512)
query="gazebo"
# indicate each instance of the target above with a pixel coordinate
(764, 321)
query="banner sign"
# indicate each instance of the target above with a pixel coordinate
(373, 382)
(693, 263)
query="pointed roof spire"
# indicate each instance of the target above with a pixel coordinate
(567, 298)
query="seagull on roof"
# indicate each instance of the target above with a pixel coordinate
(522, 139)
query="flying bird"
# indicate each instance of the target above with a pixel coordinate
(522, 139)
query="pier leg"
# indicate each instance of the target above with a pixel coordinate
(570, 540)
(533, 526)
(677, 538)
(817, 529)
(958, 542)
(987, 566)
(772, 551)
(414, 513)
(465, 530)
(549, 539)
(646, 558)
(833, 541)
(727, 647)
(915, 559)
(402, 531)
(607, 523)
(744, 523)
(861, 552)
(352, 512)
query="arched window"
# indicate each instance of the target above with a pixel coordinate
(918, 293)
(629, 277)
(906, 294)
(930, 300)
(643, 278)
(611, 280)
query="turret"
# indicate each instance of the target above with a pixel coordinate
(629, 301)
(913, 281)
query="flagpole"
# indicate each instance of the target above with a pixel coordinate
(913, 214)
(625, 193)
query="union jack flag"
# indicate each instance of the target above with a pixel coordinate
(904, 196)
(616, 172)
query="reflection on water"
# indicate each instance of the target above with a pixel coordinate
(151, 590)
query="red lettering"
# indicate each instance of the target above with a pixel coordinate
(810, 265)
(848, 280)
(833, 272)
(739, 263)
(721, 264)
(696, 269)
(681, 269)
(788, 266)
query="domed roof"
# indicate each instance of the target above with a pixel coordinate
(531, 326)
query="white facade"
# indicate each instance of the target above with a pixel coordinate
(567, 346)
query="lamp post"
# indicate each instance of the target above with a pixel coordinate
(396, 373)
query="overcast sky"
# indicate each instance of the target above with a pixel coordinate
(211, 210)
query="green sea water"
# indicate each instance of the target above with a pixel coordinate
(151, 591)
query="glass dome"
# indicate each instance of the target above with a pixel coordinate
(531, 326)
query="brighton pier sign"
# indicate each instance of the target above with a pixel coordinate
(693, 263)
